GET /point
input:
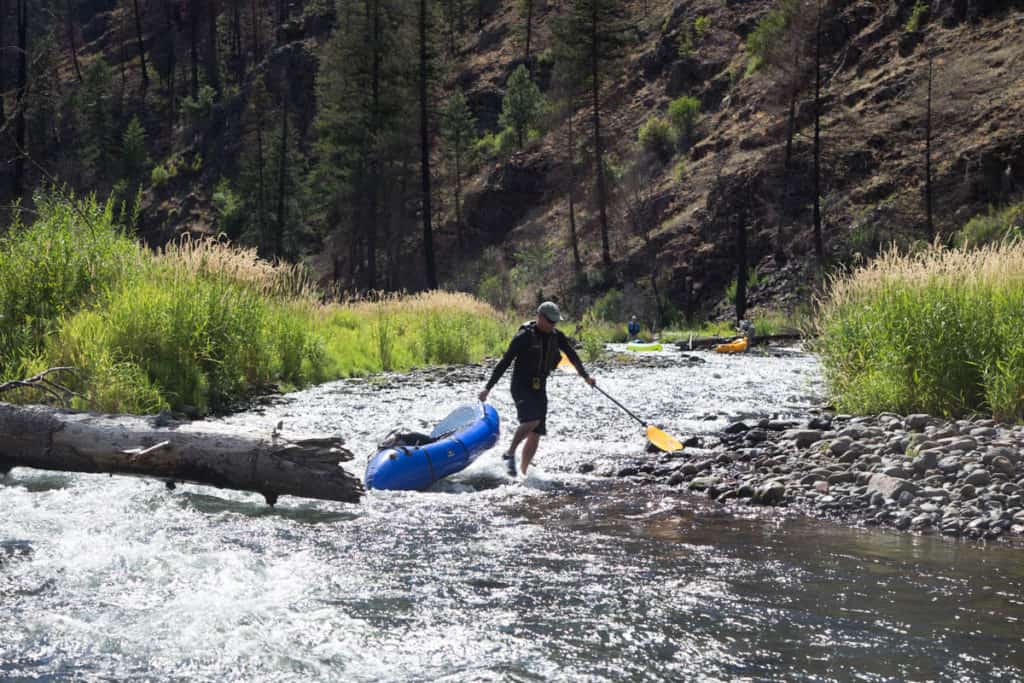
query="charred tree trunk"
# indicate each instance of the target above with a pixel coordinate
(142, 46)
(71, 40)
(819, 245)
(193, 23)
(577, 262)
(3, 60)
(282, 182)
(741, 267)
(928, 158)
(257, 43)
(19, 123)
(602, 190)
(428, 231)
(373, 162)
(212, 58)
(529, 29)
(199, 453)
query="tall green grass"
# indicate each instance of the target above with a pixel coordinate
(201, 325)
(938, 332)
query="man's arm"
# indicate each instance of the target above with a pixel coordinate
(502, 366)
(570, 353)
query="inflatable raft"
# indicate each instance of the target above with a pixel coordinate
(642, 346)
(735, 346)
(412, 462)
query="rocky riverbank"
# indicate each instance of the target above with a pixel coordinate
(915, 473)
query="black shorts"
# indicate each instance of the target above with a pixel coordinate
(530, 406)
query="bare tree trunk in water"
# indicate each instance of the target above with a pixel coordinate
(201, 453)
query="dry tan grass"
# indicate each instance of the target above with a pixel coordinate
(422, 303)
(219, 257)
(998, 266)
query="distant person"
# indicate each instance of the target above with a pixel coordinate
(536, 349)
(633, 327)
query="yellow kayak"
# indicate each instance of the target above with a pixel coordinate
(640, 346)
(735, 346)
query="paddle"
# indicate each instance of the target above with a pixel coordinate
(659, 438)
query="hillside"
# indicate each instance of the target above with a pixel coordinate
(731, 181)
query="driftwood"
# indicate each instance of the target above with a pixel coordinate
(212, 454)
(711, 342)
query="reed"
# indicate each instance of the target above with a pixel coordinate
(938, 331)
(202, 324)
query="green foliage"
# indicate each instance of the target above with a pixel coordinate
(679, 172)
(753, 280)
(496, 289)
(163, 173)
(522, 105)
(230, 209)
(683, 114)
(198, 327)
(94, 108)
(693, 36)
(769, 33)
(458, 132)
(701, 25)
(533, 265)
(198, 110)
(998, 224)
(53, 267)
(594, 332)
(657, 137)
(609, 306)
(917, 16)
(935, 332)
(133, 150)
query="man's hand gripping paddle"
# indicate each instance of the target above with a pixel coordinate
(659, 438)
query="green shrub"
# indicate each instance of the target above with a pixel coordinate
(609, 306)
(657, 137)
(683, 114)
(917, 16)
(701, 25)
(935, 332)
(997, 224)
(679, 172)
(768, 33)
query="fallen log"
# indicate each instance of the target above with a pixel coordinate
(206, 453)
(711, 342)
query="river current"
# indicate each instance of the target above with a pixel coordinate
(561, 576)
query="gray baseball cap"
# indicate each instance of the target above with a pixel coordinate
(549, 309)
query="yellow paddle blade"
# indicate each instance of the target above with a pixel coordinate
(565, 363)
(665, 442)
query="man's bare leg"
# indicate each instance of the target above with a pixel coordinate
(529, 448)
(517, 438)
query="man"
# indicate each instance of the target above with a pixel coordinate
(633, 327)
(536, 349)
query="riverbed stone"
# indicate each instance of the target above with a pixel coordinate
(736, 428)
(917, 422)
(979, 477)
(1003, 465)
(967, 492)
(905, 498)
(703, 483)
(802, 437)
(927, 460)
(890, 486)
(770, 493)
(948, 464)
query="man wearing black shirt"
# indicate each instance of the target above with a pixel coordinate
(536, 349)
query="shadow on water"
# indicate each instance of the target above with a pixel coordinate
(296, 510)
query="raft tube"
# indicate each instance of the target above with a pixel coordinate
(735, 346)
(641, 346)
(457, 441)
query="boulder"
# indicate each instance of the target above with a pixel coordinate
(890, 487)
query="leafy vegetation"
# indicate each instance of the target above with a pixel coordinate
(937, 332)
(201, 324)
(657, 137)
(917, 16)
(1003, 223)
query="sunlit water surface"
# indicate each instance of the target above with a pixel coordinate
(562, 577)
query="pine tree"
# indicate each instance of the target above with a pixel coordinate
(592, 37)
(133, 151)
(522, 105)
(458, 130)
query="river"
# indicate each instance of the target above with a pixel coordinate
(561, 576)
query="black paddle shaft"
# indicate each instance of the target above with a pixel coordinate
(628, 412)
